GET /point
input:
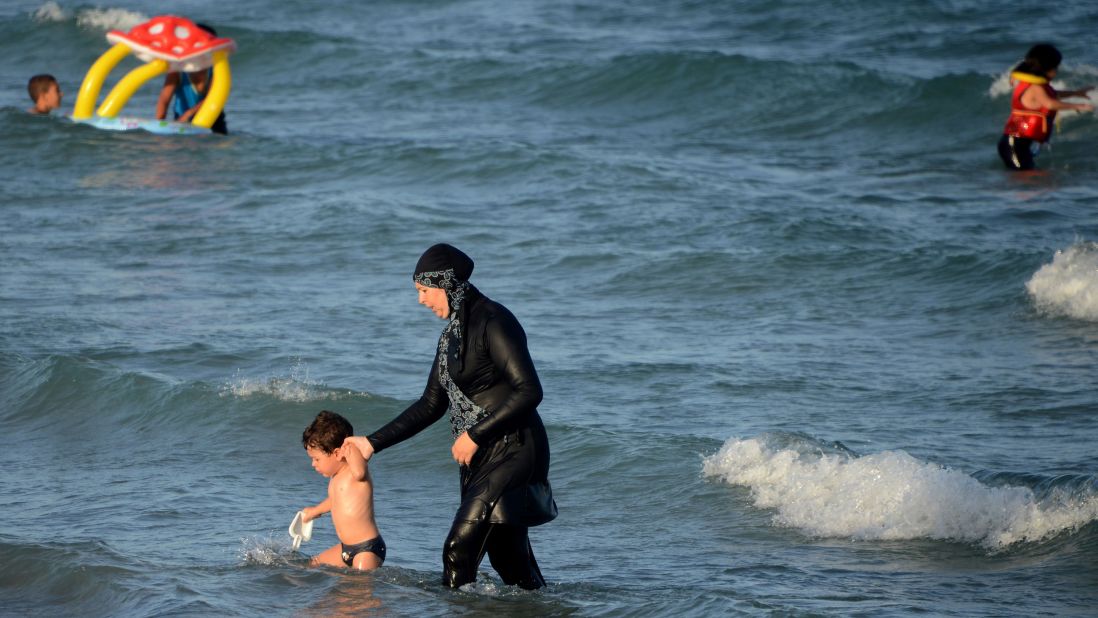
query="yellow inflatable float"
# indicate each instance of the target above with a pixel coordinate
(165, 43)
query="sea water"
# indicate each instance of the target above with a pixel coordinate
(807, 348)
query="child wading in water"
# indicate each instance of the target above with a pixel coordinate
(183, 94)
(1033, 107)
(350, 495)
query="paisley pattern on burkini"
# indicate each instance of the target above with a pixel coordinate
(463, 412)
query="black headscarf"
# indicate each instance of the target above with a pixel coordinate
(439, 259)
(445, 266)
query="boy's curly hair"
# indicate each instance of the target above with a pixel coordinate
(327, 432)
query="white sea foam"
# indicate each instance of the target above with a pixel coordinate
(92, 18)
(1001, 86)
(50, 11)
(889, 496)
(1069, 285)
(109, 19)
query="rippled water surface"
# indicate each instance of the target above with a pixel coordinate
(807, 348)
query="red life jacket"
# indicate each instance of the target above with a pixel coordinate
(1035, 124)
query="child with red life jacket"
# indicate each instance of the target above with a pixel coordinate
(1033, 106)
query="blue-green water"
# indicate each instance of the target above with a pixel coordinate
(807, 348)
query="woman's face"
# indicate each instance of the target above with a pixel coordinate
(434, 299)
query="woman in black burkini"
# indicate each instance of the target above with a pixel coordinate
(484, 377)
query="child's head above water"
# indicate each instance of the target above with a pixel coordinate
(326, 432)
(45, 92)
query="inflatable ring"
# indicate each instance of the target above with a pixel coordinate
(165, 43)
(1027, 78)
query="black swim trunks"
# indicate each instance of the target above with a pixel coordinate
(1017, 152)
(375, 545)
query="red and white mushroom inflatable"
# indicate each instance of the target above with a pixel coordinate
(179, 41)
(165, 43)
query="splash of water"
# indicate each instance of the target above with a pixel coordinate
(297, 387)
(487, 586)
(264, 551)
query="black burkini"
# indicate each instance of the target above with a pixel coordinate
(505, 488)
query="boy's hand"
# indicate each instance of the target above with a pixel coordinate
(310, 513)
(362, 444)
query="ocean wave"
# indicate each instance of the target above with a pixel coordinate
(892, 495)
(93, 397)
(708, 93)
(66, 578)
(1068, 286)
(635, 78)
(97, 18)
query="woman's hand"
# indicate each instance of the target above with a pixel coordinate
(362, 444)
(464, 448)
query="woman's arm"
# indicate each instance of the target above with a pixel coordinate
(430, 407)
(510, 356)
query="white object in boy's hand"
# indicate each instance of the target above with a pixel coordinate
(300, 530)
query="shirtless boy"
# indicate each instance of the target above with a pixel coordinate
(350, 495)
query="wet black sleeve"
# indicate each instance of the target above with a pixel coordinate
(430, 407)
(506, 343)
